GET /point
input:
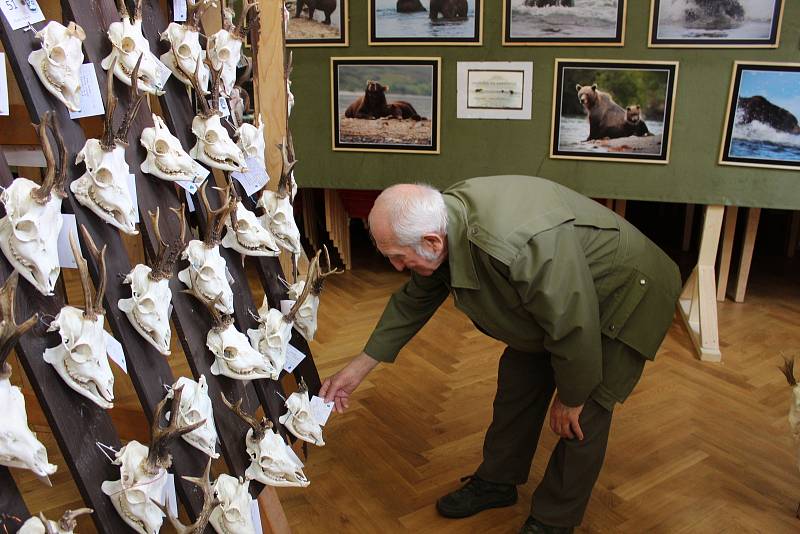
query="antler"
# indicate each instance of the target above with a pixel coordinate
(167, 255)
(50, 184)
(210, 501)
(215, 83)
(216, 218)
(47, 528)
(68, 520)
(10, 331)
(195, 10)
(285, 182)
(92, 307)
(133, 104)
(107, 140)
(243, 26)
(788, 370)
(221, 320)
(311, 278)
(158, 456)
(123, 11)
(259, 427)
(316, 285)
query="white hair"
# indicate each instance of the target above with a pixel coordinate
(414, 211)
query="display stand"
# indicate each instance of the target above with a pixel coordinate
(697, 304)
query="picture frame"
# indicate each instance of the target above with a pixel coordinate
(715, 24)
(381, 104)
(409, 22)
(562, 23)
(308, 27)
(761, 123)
(494, 89)
(613, 110)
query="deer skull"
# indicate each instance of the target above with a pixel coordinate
(184, 53)
(166, 158)
(271, 463)
(299, 419)
(246, 235)
(127, 44)
(224, 50)
(278, 218)
(251, 141)
(196, 406)
(18, 445)
(234, 357)
(214, 145)
(306, 320)
(232, 515)
(272, 336)
(148, 307)
(59, 60)
(206, 275)
(42, 525)
(103, 188)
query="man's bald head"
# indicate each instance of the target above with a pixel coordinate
(407, 212)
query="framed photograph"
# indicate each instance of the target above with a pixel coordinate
(564, 22)
(715, 23)
(495, 89)
(761, 128)
(612, 110)
(386, 104)
(317, 23)
(436, 22)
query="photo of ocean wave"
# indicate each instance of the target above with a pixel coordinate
(716, 19)
(590, 19)
(389, 24)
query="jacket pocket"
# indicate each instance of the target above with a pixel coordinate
(622, 304)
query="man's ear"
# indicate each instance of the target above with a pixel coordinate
(433, 242)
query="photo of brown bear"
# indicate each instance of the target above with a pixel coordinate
(385, 104)
(317, 23)
(613, 110)
(425, 22)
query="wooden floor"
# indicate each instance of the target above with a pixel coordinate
(697, 448)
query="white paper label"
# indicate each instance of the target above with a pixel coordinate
(65, 257)
(168, 497)
(256, 517)
(189, 201)
(293, 456)
(115, 352)
(286, 305)
(190, 187)
(134, 197)
(163, 73)
(223, 107)
(254, 179)
(179, 10)
(229, 276)
(293, 358)
(20, 13)
(200, 173)
(4, 109)
(91, 100)
(320, 409)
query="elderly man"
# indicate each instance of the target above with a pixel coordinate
(581, 298)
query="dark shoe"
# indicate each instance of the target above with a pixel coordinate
(534, 526)
(476, 495)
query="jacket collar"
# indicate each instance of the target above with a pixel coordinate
(459, 248)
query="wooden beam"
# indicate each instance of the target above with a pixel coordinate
(794, 234)
(728, 235)
(620, 206)
(688, 224)
(749, 243)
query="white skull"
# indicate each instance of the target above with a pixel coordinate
(185, 51)
(131, 495)
(232, 515)
(306, 319)
(196, 406)
(214, 145)
(299, 420)
(65, 525)
(279, 219)
(103, 188)
(289, 97)
(166, 158)
(81, 359)
(251, 141)
(235, 358)
(272, 336)
(206, 274)
(250, 238)
(29, 234)
(18, 445)
(127, 44)
(224, 50)
(271, 463)
(148, 307)
(59, 60)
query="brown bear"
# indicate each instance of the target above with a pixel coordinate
(758, 108)
(373, 105)
(448, 9)
(634, 124)
(714, 14)
(606, 117)
(326, 6)
(410, 6)
(543, 3)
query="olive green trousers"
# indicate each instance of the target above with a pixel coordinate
(525, 387)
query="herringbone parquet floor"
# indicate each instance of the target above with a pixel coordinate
(698, 448)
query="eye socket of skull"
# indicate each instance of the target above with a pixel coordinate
(244, 226)
(103, 177)
(279, 217)
(224, 54)
(136, 496)
(184, 51)
(193, 416)
(229, 353)
(206, 273)
(128, 45)
(147, 305)
(232, 515)
(274, 340)
(81, 352)
(58, 55)
(26, 230)
(161, 147)
(211, 136)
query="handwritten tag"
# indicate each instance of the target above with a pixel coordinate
(293, 456)
(163, 73)
(168, 497)
(320, 409)
(91, 101)
(190, 187)
(178, 10)
(134, 196)
(115, 352)
(255, 515)
(4, 109)
(293, 358)
(224, 108)
(286, 305)
(19, 14)
(69, 226)
(254, 178)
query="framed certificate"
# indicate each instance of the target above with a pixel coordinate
(495, 90)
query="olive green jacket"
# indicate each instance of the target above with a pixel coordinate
(545, 270)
